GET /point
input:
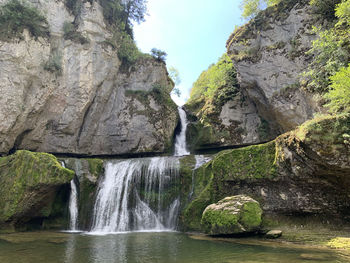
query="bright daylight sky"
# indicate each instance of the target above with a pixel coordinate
(192, 32)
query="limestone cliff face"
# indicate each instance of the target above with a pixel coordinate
(93, 107)
(236, 122)
(269, 56)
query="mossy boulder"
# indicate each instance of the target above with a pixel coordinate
(232, 215)
(29, 185)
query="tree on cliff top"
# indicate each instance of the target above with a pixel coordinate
(158, 54)
(135, 10)
(251, 8)
(122, 13)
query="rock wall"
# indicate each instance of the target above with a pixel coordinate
(269, 54)
(303, 172)
(236, 122)
(94, 106)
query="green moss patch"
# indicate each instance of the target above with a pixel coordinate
(251, 215)
(249, 163)
(254, 162)
(29, 185)
(95, 167)
(214, 221)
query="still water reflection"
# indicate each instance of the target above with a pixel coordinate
(146, 248)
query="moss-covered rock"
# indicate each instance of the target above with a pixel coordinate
(232, 215)
(221, 177)
(303, 172)
(29, 185)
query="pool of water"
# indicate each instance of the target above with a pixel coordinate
(146, 248)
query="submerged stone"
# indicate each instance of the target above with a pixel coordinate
(273, 234)
(232, 215)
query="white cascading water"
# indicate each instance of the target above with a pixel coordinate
(180, 140)
(131, 196)
(73, 204)
(200, 160)
(73, 207)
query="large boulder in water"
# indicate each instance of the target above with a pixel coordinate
(31, 188)
(232, 215)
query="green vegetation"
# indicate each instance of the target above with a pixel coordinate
(15, 16)
(213, 88)
(54, 64)
(29, 184)
(128, 52)
(74, 6)
(159, 92)
(252, 162)
(217, 82)
(175, 77)
(251, 216)
(324, 8)
(330, 54)
(329, 71)
(250, 8)
(95, 167)
(158, 54)
(70, 32)
(332, 131)
(339, 92)
(339, 243)
(264, 130)
(245, 164)
(217, 220)
(119, 15)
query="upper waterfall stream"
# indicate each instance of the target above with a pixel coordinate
(180, 140)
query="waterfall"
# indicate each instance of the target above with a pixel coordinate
(73, 204)
(180, 140)
(200, 160)
(137, 195)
